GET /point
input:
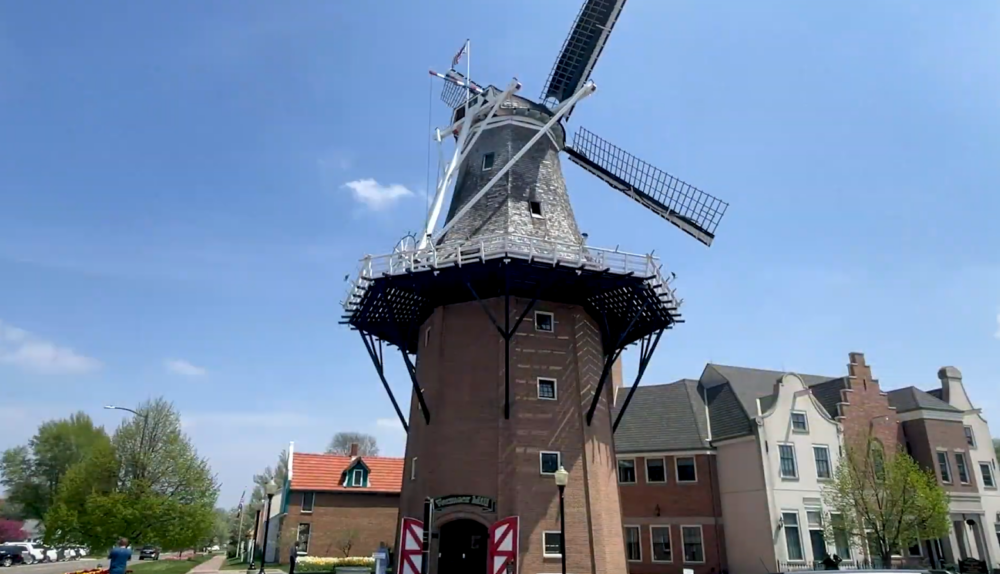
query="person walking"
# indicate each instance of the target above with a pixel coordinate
(118, 557)
(293, 555)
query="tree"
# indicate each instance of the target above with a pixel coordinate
(279, 473)
(346, 541)
(11, 530)
(885, 499)
(342, 441)
(31, 474)
(148, 484)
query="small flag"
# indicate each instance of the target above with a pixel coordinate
(239, 507)
(458, 56)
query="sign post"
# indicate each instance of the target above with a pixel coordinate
(425, 541)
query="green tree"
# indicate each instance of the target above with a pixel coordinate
(148, 484)
(884, 499)
(279, 473)
(31, 474)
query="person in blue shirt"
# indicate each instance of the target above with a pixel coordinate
(118, 557)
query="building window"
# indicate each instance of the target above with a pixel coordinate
(656, 470)
(914, 551)
(549, 462)
(793, 538)
(303, 537)
(786, 454)
(633, 549)
(963, 470)
(659, 541)
(413, 469)
(544, 321)
(841, 538)
(817, 541)
(799, 422)
(694, 548)
(308, 500)
(358, 477)
(626, 471)
(944, 466)
(547, 389)
(535, 207)
(551, 544)
(686, 469)
(822, 455)
(488, 159)
(970, 437)
(989, 481)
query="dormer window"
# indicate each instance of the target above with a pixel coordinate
(356, 476)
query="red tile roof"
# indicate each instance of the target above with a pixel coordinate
(326, 472)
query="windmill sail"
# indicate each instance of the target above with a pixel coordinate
(581, 49)
(692, 210)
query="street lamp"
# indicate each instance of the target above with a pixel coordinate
(253, 541)
(270, 490)
(145, 420)
(562, 477)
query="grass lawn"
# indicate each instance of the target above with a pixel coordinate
(167, 566)
(234, 564)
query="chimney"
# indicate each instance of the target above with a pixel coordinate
(952, 389)
(354, 449)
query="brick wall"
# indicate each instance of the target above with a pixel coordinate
(927, 436)
(372, 517)
(867, 412)
(712, 543)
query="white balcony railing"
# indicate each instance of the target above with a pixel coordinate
(522, 247)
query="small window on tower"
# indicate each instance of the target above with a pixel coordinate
(488, 161)
(544, 321)
(546, 388)
(536, 208)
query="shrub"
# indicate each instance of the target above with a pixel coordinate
(329, 564)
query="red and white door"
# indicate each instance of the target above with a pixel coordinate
(410, 546)
(503, 546)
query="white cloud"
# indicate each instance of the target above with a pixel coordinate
(376, 196)
(33, 354)
(182, 367)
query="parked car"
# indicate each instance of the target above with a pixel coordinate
(51, 554)
(11, 555)
(149, 552)
(32, 552)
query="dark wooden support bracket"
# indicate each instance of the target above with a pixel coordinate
(376, 356)
(609, 361)
(647, 347)
(411, 369)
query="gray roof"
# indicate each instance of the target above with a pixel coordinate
(911, 399)
(829, 396)
(662, 418)
(937, 393)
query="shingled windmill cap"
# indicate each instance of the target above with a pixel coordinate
(949, 373)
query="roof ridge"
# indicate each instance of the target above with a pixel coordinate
(348, 457)
(783, 372)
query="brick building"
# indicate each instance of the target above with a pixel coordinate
(332, 502)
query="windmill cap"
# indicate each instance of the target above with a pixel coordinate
(949, 373)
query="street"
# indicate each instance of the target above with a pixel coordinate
(53, 567)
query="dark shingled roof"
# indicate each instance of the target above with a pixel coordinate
(662, 418)
(828, 394)
(936, 393)
(911, 399)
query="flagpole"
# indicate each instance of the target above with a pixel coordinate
(239, 533)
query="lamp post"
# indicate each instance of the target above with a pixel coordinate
(270, 490)
(142, 435)
(253, 541)
(562, 477)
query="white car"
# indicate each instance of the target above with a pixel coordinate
(32, 552)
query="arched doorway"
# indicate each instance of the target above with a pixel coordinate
(462, 547)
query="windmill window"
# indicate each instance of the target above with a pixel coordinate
(536, 208)
(548, 462)
(544, 321)
(488, 159)
(547, 389)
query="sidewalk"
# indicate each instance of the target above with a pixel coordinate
(214, 564)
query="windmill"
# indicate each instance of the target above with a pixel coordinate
(690, 209)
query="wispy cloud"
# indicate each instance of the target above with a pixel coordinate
(37, 355)
(184, 368)
(376, 196)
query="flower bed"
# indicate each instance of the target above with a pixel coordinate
(95, 571)
(330, 564)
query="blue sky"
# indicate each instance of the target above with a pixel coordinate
(175, 219)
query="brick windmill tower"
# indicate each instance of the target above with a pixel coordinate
(515, 323)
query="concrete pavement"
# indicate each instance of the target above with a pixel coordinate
(213, 564)
(52, 567)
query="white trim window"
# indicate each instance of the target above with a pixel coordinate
(817, 536)
(551, 544)
(549, 461)
(944, 466)
(970, 436)
(824, 469)
(963, 468)
(413, 469)
(800, 422)
(694, 544)
(626, 471)
(656, 471)
(489, 159)
(788, 465)
(545, 321)
(546, 388)
(358, 477)
(793, 536)
(989, 480)
(308, 501)
(685, 469)
(633, 548)
(303, 534)
(659, 543)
